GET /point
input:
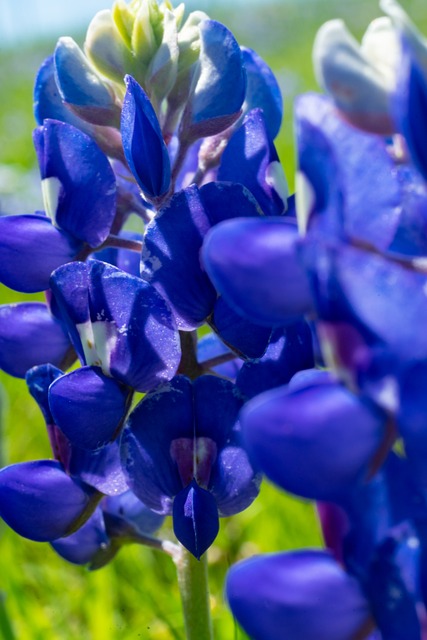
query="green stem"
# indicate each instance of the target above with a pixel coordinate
(194, 590)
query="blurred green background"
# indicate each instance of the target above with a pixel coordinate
(41, 596)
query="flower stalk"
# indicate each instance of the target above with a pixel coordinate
(194, 590)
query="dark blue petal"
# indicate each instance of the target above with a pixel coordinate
(100, 469)
(255, 265)
(262, 90)
(38, 380)
(92, 418)
(247, 339)
(39, 501)
(48, 102)
(127, 507)
(80, 547)
(289, 351)
(145, 150)
(171, 261)
(79, 180)
(29, 336)
(251, 159)
(161, 417)
(411, 418)
(217, 196)
(219, 94)
(81, 87)
(195, 519)
(124, 259)
(32, 240)
(317, 441)
(304, 594)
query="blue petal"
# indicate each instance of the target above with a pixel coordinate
(39, 501)
(305, 594)
(85, 192)
(218, 96)
(251, 159)
(29, 336)
(80, 547)
(124, 259)
(247, 339)
(195, 519)
(89, 419)
(262, 90)
(171, 262)
(32, 239)
(233, 481)
(289, 351)
(127, 507)
(161, 417)
(318, 441)
(255, 265)
(81, 87)
(123, 324)
(411, 418)
(38, 380)
(409, 106)
(48, 102)
(100, 469)
(145, 150)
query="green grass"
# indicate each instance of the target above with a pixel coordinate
(41, 596)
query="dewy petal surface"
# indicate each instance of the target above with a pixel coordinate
(298, 595)
(255, 266)
(32, 239)
(316, 441)
(29, 336)
(39, 500)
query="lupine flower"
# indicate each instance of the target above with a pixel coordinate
(183, 457)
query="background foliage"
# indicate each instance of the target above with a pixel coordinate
(41, 596)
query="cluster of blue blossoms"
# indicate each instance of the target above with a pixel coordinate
(314, 371)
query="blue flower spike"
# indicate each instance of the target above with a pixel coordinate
(183, 457)
(143, 144)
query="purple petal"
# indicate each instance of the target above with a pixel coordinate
(90, 419)
(32, 239)
(195, 519)
(218, 96)
(83, 194)
(262, 90)
(29, 336)
(210, 346)
(318, 442)
(80, 547)
(305, 594)
(38, 381)
(254, 264)
(127, 507)
(39, 501)
(145, 150)
(251, 159)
